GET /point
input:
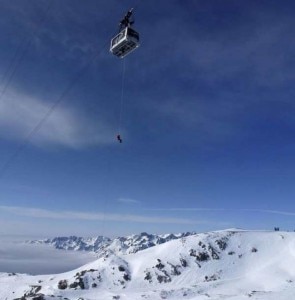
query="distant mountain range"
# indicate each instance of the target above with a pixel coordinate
(228, 264)
(124, 245)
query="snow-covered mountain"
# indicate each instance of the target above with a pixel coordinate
(230, 264)
(75, 243)
(125, 245)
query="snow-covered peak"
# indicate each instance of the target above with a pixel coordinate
(75, 243)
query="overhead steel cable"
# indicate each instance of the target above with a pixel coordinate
(12, 61)
(51, 109)
(21, 51)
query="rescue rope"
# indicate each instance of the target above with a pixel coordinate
(122, 95)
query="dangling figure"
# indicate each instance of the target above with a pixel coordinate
(119, 138)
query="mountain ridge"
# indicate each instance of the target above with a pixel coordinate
(219, 265)
(126, 244)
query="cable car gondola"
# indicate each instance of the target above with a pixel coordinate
(127, 40)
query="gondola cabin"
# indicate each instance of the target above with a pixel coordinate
(124, 42)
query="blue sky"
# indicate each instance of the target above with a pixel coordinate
(208, 117)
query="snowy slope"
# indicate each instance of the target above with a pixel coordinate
(129, 244)
(218, 265)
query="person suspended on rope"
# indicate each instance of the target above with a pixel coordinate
(125, 22)
(119, 138)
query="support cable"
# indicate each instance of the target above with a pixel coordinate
(51, 109)
(20, 53)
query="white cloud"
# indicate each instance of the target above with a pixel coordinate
(38, 259)
(202, 209)
(188, 209)
(269, 211)
(128, 201)
(90, 216)
(20, 114)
